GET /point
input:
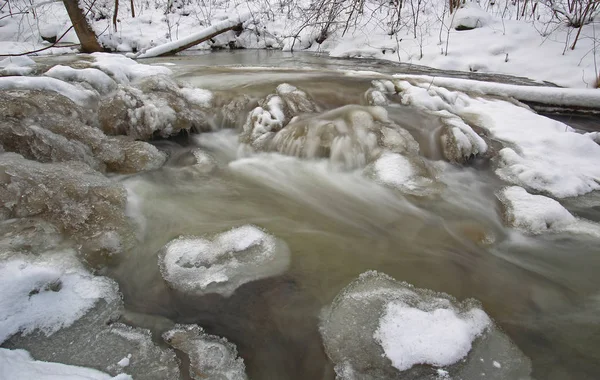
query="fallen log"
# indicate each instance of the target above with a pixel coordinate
(173, 47)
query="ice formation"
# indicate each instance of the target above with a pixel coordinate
(407, 174)
(210, 356)
(97, 80)
(154, 106)
(80, 201)
(125, 70)
(539, 153)
(274, 113)
(18, 364)
(379, 328)
(27, 235)
(197, 265)
(48, 127)
(47, 293)
(77, 95)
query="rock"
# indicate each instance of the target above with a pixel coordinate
(379, 328)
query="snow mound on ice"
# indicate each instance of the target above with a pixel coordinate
(439, 337)
(98, 80)
(125, 70)
(243, 254)
(18, 364)
(540, 153)
(210, 356)
(536, 214)
(379, 328)
(78, 95)
(19, 65)
(408, 175)
(47, 294)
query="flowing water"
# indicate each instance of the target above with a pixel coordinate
(543, 291)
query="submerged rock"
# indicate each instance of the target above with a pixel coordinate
(379, 328)
(155, 107)
(211, 357)
(199, 266)
(408, 174)
(82, 202)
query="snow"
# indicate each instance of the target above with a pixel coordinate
(440, 337)
(221, 265)
(125, 361)
(471, 16)
(78, 95)
(18, 364)
(537, 214)
(540, 154)
(198, 96)
(398, 171)
(47, 294)
(539, 94)
(20, 65)
(125, 70)
(496, 364)
(165, 48)
(94, 77)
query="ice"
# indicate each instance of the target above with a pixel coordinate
(125, 70)
(210, 356)
(81, 202)
(48, 127)
(96, 341)
(78, 95)
(18, 364)
(47, 293)
(199, 266)
(27, 235)
(125, 361)
(409, 175)
(470, 16)
(98, 80)
(20, 65)
(540, 154)
(537, 214)
(156, 106)
(198, 96)
(274, 113)
(380, 328)
(459, 141)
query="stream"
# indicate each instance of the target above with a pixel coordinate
(543, 291)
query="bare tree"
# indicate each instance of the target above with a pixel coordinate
(85, 33)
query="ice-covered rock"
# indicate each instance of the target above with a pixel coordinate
(470, 16)
(18, 364)
(20, 65)
(80, 201)
(274, 113)
(407, 174)
(199, 266)
(459, 142)
(27, 235)
(379, 328)
(95, 78)
(48, 127)
(211, 357)
(78, 95)
(156, 106)
(47, 293)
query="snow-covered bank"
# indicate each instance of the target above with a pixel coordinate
(492, 36)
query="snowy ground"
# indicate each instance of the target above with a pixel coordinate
(507, 38)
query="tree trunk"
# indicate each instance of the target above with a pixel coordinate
(87, 38)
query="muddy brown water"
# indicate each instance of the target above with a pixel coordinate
(543, 291)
